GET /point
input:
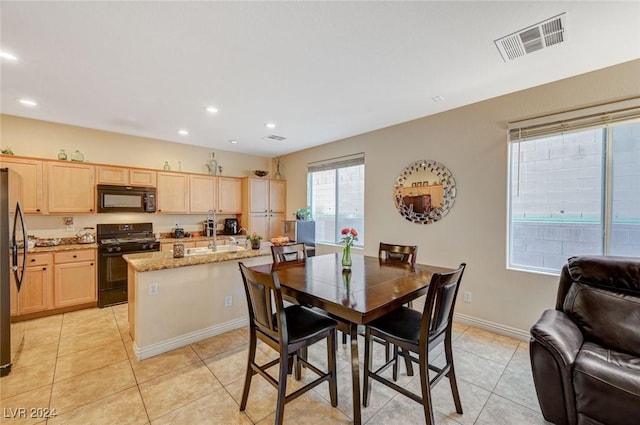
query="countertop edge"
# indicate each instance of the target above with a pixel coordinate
(153, 261)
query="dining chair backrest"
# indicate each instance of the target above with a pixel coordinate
(438, 308)
(287, 253)
(398, 253)
(264, 299)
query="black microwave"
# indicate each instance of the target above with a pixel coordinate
(129, 199)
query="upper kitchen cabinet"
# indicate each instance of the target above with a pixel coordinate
(264, 206)
(221, 194)
(203, 194)
(71, 187)
(229, 195)
(173, 193)
(265, 195)
(31, 171)
(125, 176)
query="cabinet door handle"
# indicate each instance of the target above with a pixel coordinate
(92, 264)
(33, 260)
(38, 209)
(44, 268)
(75, 256)
(90, 209)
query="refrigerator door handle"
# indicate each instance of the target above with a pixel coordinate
(19, 276)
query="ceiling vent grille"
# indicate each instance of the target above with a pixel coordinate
(274, 137)
(533, 38)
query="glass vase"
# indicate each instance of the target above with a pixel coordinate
(346, 258)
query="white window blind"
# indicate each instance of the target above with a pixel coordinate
(568, 122)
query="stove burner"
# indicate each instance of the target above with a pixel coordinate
(120, 241)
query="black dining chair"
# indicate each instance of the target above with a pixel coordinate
(418, 332)
(286, 253)
(401, 254)
(287, 330)
(398, 253)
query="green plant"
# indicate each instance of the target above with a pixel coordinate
(254, 237)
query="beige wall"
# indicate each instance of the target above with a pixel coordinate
(44, 139)
(471, 142)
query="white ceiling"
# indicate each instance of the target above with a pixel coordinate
(321, 71)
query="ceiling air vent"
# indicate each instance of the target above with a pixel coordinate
(533, 38)
(274, 137)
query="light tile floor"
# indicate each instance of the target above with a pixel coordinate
(81, 365)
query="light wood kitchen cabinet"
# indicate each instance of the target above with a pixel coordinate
(229, 195)
(37, 285)
(264, 206)
(125, 176)
(31, 172)
(36, 290)
(71, 187)
(203, 193)
(75, 278)
(221, 194)
(173, 193)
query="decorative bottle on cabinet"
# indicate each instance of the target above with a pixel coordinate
(62, 155)
(77, 156)
(212, 166)
(166, 167)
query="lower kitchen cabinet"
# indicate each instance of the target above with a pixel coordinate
(75, 278)
(36, 289)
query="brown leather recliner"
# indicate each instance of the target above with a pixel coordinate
(585, 354)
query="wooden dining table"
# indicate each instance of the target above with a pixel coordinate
(371, 288)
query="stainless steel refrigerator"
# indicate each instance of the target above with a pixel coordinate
(13, 261)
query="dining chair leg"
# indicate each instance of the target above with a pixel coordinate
(282, 386)
(395, 362)
(301, 354)
(250, 372)
(407, 363)
(426, 392)
(448, 352)
(366, 385)
(331, 362)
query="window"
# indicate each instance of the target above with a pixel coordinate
(574, 189)
(335, 190)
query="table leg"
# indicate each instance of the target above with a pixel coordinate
(355, 374)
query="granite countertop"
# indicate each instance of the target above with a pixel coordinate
(62, 247)
(198, 238)
(151, 261)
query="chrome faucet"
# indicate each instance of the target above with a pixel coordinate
(246, 232)
(212, 213)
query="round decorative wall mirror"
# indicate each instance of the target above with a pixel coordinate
(424, 192)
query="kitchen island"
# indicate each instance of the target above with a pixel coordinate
(175, 302)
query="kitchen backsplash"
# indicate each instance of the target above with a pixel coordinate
(50, 226)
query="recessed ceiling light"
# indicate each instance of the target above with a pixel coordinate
(437, 98)
(211, 109)
(270, 125)
(233, 142)
(7, 55)
(28, 102)
(183, 132)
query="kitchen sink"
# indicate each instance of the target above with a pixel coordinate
(206, 250)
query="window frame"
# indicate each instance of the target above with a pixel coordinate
(336, 164)
(604, 117)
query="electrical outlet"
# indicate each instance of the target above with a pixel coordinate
(466, 296)
(228, 301)
(154, 289)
